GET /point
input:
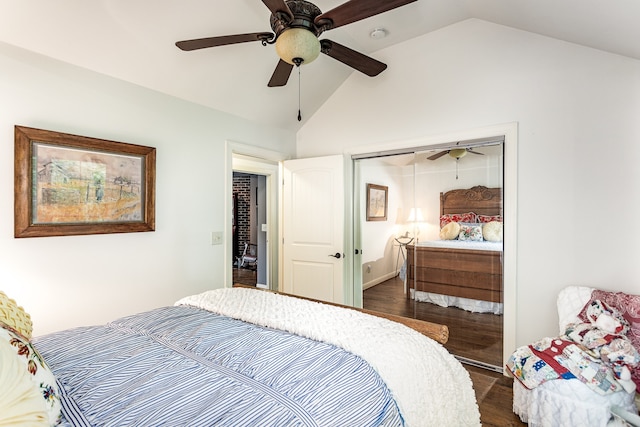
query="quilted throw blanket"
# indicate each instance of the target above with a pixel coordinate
(597, 352)
(429, 385)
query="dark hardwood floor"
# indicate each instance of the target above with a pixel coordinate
(245, 276)
(494, 393)
(476, 336)
(471, 335)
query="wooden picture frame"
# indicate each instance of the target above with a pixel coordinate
(377, 202)
(73, 185)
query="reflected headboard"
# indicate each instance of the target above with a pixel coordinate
(479, 199)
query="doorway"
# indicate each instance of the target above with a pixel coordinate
(249, 231)
(261, 166)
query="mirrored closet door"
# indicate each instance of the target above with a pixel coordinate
(438, 254)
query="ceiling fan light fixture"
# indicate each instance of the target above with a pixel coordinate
(297, 43)
(458, 153)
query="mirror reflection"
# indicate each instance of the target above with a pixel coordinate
(438, 257)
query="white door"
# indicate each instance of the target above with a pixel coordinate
(313, 228)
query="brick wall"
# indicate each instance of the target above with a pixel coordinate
(242, 187)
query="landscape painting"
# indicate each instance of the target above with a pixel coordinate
(85, 186)
(377, 202)
(68, 185)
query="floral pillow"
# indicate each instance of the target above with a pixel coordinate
(629, 306)
(463, 217)
(489, 218)
(470, 232)
(23, 367)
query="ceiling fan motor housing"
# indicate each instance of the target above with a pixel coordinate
(304, 13)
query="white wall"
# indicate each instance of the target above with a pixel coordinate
(379, 253)
(72, 281)
(577, 111)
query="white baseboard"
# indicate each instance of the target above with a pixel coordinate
(379, 280)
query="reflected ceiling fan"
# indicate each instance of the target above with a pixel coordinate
(296, 26)
(456, 153)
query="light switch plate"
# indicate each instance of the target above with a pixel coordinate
(216, 237)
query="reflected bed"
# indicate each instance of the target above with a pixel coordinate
(465, 274)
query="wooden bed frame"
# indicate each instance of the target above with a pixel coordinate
(435, 331)
(466, 273)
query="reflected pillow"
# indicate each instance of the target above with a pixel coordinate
(492, 231)
(461, 217)
(489, 218)
(450, 231)
(470, 232)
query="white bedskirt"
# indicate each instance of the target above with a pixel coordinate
(473, 305)
(459, 244)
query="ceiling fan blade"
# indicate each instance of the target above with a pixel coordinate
(281, 74)
(276, 6)
(474, 152)
(438, 155)
(222, 40)
(356, 10)
(353, 59)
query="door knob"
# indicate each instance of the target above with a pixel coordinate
(336, 255)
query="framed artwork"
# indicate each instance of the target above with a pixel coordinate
(377, 202)
(71, 185)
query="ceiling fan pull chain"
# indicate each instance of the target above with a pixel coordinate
(299, 78)
(457, 159)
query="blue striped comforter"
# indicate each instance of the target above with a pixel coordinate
(184, 366)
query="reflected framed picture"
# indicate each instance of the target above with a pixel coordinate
(377, 202)
(72, 185)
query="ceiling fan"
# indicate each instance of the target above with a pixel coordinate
(296, 26)
(456, 153)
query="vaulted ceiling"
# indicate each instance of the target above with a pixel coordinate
(134, 40)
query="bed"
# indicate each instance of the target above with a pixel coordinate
(461, 273)
(237, 357)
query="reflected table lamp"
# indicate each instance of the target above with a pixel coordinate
(415, 218)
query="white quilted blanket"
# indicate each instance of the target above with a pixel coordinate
(430, 386)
